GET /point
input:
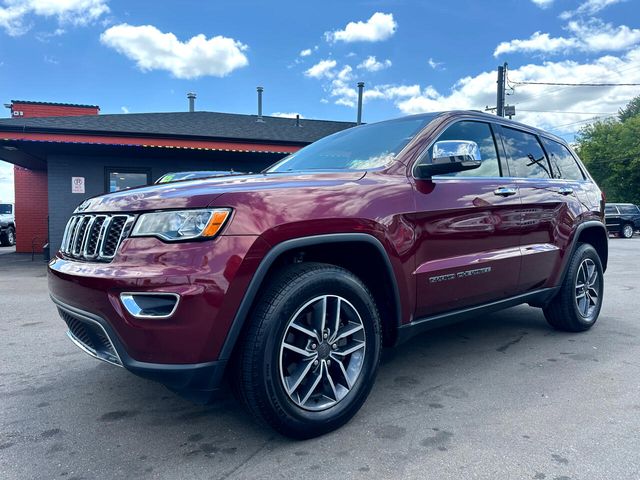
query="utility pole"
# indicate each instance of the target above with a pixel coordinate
(502, 72)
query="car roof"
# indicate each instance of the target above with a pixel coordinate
(487, 117)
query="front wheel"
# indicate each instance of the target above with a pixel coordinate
(577, 305)
(8, 239)
(627, 231)
(309, 357)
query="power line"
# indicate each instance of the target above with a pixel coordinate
(574, 113)
(578, 84)
(562, 89)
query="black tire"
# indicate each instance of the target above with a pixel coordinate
(8, 238)
(626, 231)
(258, 377)
(566, 311)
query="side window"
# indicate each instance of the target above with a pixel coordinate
(562, 162)
(628, 209)
(480, 133)
(524, 154)
(610, 209)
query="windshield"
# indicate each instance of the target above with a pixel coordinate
(6, 208)
(173, 177)
(360, 148)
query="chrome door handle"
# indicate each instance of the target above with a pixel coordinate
(565, 191)
(505, 191)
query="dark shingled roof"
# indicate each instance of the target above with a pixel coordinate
(209, 125)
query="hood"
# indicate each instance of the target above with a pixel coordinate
(201, 193)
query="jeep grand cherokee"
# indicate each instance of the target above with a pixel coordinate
(290, 282)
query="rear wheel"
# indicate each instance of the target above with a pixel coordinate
(577, 305)
(309, 357)
(627, 231)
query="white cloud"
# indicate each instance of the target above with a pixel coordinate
(590, 36)
(543, 3)
(124, 109)
(199, 56)
(372, 65)
(435, 65)
(6, 182)
(306, 52)
(15, 14)
(476, 92)
(379, 27)
(286, 114)
(538, 42)
(324, 68)
(589, 7)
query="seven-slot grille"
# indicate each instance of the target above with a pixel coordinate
(95, 237)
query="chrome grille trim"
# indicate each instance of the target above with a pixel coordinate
(95, 237)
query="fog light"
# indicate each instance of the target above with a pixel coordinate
(150, 304)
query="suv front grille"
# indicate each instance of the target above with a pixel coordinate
(95, 237)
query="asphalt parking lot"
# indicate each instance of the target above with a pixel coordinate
(500, 396)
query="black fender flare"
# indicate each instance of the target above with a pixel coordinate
(574, 244)
(293, 244)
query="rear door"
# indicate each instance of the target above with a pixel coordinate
(550, 206)
(467, 245)
(612, 218)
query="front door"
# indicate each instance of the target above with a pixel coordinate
(467, 226)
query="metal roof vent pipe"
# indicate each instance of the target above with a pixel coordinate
(192, 101)
(298, 120)
(260, 90)
(360, 89)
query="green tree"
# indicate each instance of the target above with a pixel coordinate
(611, 151)
(631, 110)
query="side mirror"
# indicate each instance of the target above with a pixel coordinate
(450, 156)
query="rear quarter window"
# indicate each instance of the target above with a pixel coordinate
(563, 164)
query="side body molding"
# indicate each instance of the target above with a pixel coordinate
(293, 244)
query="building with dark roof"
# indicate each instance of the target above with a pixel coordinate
(74, 153)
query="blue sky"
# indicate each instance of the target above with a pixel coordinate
(414, 56)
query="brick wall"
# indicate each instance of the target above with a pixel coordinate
(30, 110)
(31, 203)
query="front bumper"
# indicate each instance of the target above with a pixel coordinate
(96, 337)
(210, 279)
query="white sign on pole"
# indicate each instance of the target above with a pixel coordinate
(77, 184)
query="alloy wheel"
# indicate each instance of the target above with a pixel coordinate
(322, 352)
(627, 231)
(587, 288)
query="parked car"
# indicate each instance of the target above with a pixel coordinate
(177, 176)
(622, 219)
(291, 281)
(7, 225)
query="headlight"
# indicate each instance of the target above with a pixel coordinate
(181, 224)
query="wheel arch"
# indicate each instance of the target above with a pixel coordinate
(595, 234)
(318, 248)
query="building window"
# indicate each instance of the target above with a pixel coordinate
(118, 178)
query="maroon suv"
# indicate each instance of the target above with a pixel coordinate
(292, 280)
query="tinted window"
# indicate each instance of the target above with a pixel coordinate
(359, 148)
(562, 162)
(610, 209)
(524, 154)
(6, 208)
(119, 180)
(480, 133)
(628, 209)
